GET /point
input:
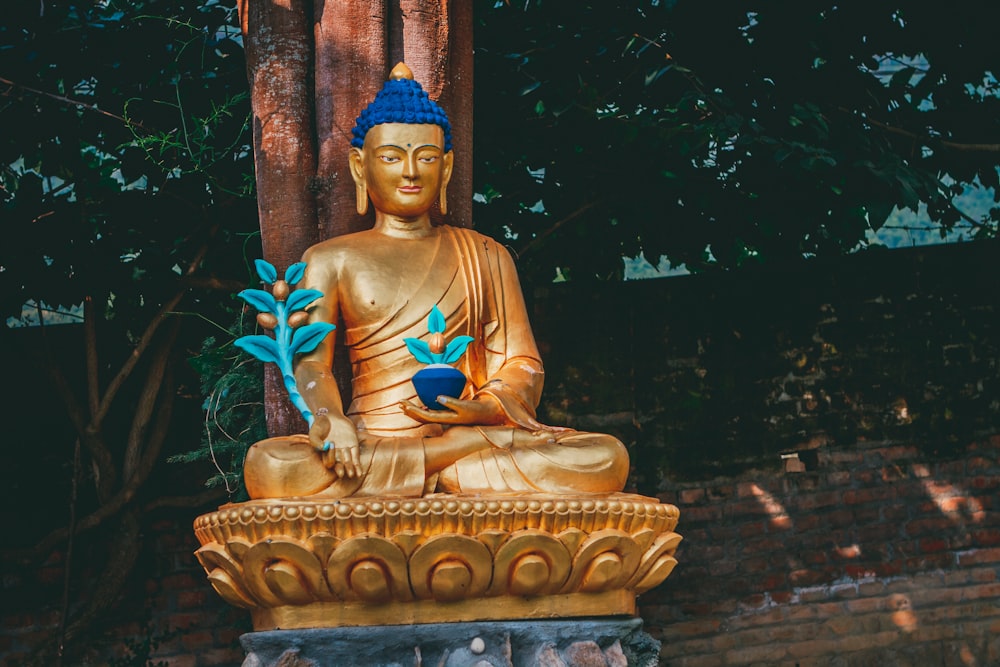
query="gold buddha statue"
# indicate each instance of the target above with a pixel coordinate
(390, 512)
(381, 284)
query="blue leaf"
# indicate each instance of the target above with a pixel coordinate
(261, 347)
(294, 273)
(305, 339)
(420, 350)
(456, 348)
(259, 299)
(301, 298)
(266, 271)
(435, 321)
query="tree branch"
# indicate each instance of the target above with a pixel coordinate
(90, 344)
(207, 497)
(66, 100)
(572, 216)
(89, 435)
(147, 335)
(147, 402)
(929, 140)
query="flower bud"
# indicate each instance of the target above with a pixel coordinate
(296, 320)
(267, 320)
(280, 290)
(436, 343)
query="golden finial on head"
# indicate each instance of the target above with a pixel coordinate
(401, 71)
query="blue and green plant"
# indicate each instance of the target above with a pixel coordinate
(289, 338)
(426, 353)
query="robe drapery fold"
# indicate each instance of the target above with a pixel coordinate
(473, 282)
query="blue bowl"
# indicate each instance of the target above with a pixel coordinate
(438, 380)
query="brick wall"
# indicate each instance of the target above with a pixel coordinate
(196, 628)
(170, 616)
(877, 556)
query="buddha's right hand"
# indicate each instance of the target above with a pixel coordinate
(337, 444)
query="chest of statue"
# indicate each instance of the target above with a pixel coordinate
(393, 276)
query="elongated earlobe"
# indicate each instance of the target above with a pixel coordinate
(449, 161)
(361, 194)
(356, 163)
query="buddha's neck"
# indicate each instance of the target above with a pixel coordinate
(403, 228)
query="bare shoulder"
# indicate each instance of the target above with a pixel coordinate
(333, 252)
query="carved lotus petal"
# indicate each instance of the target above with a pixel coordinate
(283, 572)
(603, 561)
(229, 589)
(368, 568)
(530, 562)
(657, 563)
(450, 567)
(225, 575)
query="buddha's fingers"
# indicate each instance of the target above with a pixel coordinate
(318, 434)
(329, 459)
(348, 461)
(423, 414)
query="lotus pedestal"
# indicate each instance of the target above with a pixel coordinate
(305, 564)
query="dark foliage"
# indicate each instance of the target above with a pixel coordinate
(126, 149)
(124, 192)
(717, 133)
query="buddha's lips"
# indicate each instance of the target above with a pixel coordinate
(410, 188)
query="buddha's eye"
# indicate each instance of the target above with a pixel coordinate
(389, 159)
(429, 159)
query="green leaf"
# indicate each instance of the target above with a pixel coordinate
(655, 74)
(530, 87)
(307, 338)
(456, 349)
(878, 213)
(261, 347)
(266, 271)
(295, 272)
(420, 350)
(301, 298)
(435, 321)
(259, 299)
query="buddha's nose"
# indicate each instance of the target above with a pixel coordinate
(410, 167)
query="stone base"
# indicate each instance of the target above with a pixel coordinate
(612, 642)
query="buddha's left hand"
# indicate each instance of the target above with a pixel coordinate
(484, 410)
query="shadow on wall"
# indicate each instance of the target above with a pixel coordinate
(878, 554)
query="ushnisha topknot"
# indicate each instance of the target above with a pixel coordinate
(401, 100)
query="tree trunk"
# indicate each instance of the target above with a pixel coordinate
(309, 81)
(279, 58)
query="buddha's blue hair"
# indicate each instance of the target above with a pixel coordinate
(401, 101)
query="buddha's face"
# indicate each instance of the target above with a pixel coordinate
(403, 167)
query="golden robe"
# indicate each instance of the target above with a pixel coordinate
(472, 280)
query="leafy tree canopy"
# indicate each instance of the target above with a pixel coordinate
(717, 133)
(126, 150)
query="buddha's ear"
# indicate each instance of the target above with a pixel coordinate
(448, 162)
(357, 163)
